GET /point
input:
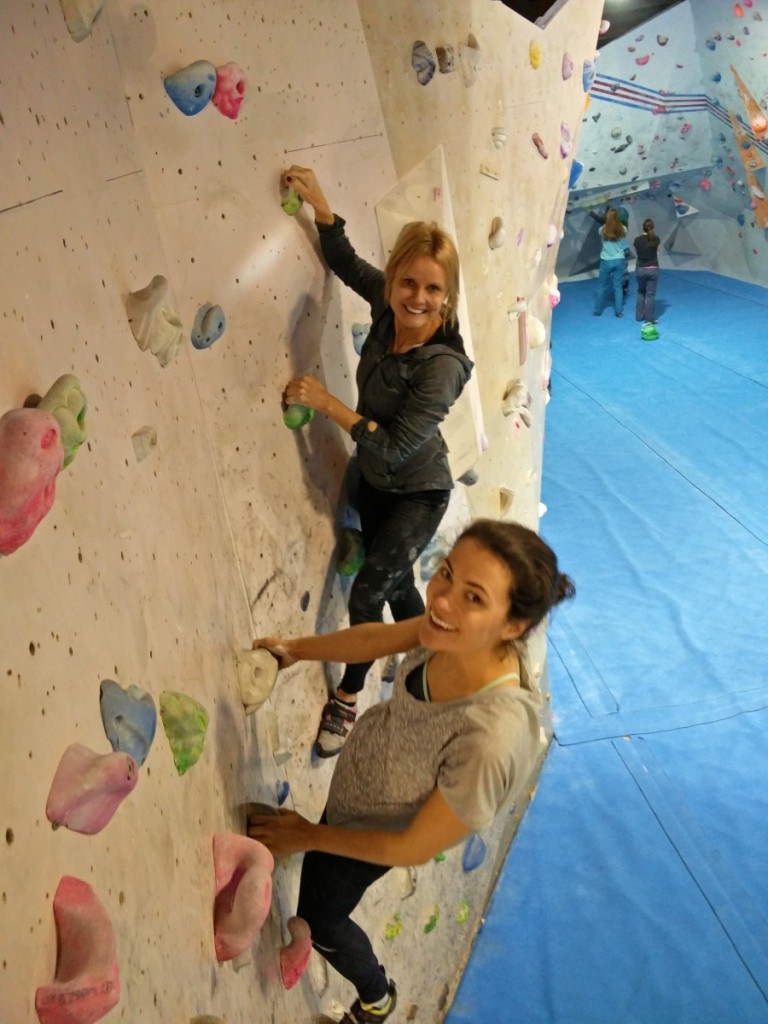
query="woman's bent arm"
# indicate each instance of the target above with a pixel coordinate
(433, 830)
(366, 642)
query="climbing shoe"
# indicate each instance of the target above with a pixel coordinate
(359, 1014)
(337, 719)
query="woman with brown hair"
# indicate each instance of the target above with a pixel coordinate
(456, 743)
(612, 263)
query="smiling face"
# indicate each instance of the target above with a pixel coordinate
(418, 291)
(468, 603)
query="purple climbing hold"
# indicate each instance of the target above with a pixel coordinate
(423, 62)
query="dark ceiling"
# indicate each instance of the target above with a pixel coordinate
(624, 15)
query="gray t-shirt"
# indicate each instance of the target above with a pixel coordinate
(477, 750)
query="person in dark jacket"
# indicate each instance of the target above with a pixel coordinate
(412, 369)
(647, 272)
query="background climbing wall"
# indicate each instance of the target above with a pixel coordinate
(658, 137)
(155, 572)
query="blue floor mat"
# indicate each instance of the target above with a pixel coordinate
(636, 891)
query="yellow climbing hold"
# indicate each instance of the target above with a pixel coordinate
(535, 55)
(393, 928)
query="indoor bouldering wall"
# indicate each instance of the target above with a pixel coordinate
(157, 297)
(677, 131)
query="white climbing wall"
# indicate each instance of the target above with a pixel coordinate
(154, 573)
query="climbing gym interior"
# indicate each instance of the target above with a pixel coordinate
(160, 509)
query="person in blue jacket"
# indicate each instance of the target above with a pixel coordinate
(613, 263)
(412, 369)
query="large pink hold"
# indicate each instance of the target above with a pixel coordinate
(230, 89)
(88, 788)
(243, 869)
(87, 982)
(31, 455)
(294, 957)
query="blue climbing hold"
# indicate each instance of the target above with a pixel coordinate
(283, 792)
(192, 88)
(129, 718)
(711, 44)
(741, 218)
(474, 852)
(208, 326)
(717, 77)
(576, 169)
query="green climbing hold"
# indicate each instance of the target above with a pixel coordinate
(393, 928)
(351, 551)
(185, 723)
(297, 416)
(433, 921)
(291, 201)
(439, 858)
(463, 912)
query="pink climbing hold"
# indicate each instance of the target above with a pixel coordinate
(230, 89)
(31, 455)
(738, 10)
(642, 61)
(243, 871)
(88, 788)
(539, 144)
(294, 957)
(705, 184)
(87, 982)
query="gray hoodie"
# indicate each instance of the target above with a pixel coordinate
(407, 394)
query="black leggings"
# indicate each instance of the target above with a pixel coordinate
(396, 528)
(331, 887)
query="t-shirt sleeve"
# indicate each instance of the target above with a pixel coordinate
(482, 770)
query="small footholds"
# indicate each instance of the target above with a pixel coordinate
(498, 235)
(351, 551)
(393, 927)
(433, 921)
(539, 144)
(535, 55)
(499, 136)
(567, 66)
(423, 62)
(144, 440)
(360, 333)
(80, 16)
(469, 57)
(208, 327)
(446, 59)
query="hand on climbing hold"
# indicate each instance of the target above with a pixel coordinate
(308, 391)
(283, 833)
(277, 648)
(304, 182)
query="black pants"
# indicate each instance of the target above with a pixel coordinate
(396, 528)
(331, 887)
